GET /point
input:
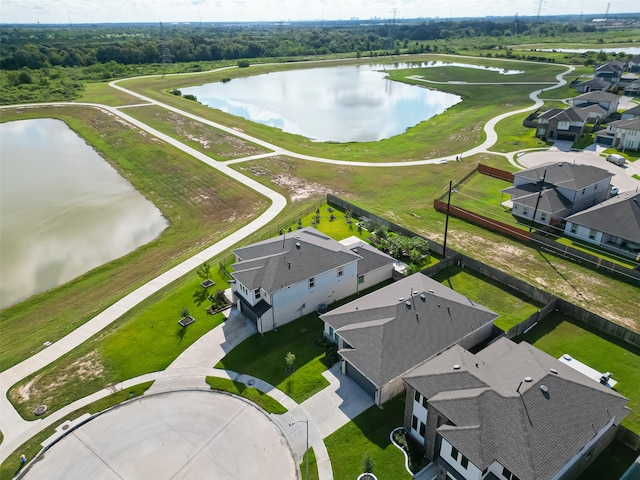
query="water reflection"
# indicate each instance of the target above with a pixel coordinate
(341, 104)
(63, 209)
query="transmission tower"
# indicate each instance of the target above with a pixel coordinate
(165, 57)
(391, 35)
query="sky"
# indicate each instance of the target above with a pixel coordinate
(195, 11)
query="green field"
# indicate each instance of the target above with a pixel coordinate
(264, 401)
(512, 307)
(557, 335)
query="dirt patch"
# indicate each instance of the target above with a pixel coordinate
(299, 188)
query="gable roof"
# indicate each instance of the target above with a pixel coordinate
(571, 114)
(498, 416)
(565, 174)
(618, 216)
(593, 108)
(596, 97)
(633, 111)
(595, 84)
(398, 327)
(370, 257)
(551, 201)
(277, 262)
(628, 124)
(611, 66)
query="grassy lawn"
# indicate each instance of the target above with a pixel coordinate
(512, 135)
(512, 308)
(145, 339)
(262, 356)
(462, 123)
(593, 250)
(556, 335)
(104, 94)
(270, 405)
(215, 143)
(201, 205)
(368, 434)
(31, 447)
(611, 463)
(482, 194)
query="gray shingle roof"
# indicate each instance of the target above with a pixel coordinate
(595, 84)
(633, 111)
(628, 124)
(372, 258)
(531, 433)
(618, 216)
(550, 200)
(565, 174)
(277, 262)
(596, 97)
(390, 337)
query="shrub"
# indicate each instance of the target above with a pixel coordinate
(243, 63)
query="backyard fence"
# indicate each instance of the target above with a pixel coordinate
(495, 172)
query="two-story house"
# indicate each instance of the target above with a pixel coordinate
(386, 334)
(622, 134)
(509, 412)
(613, 224)
(559, 124)
(610, 71)
(283, 278)
(606, 100)
(633, 65)
(550, 192)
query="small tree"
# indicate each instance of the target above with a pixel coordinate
(367, 466)
(290, 359)
(204, 271)
(185, 313)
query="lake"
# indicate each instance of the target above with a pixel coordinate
(336, 104)
(627, 50)
(63, 209)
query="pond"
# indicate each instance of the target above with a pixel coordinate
(336, 104)
(64, 210)
(595, 48)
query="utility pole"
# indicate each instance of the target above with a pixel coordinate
(538, 200)
(446, 224)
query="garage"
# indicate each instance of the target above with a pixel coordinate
(362, 381)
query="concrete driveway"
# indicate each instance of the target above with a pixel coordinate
(177, 435)
(622, 175)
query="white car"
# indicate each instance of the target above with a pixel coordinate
(616, 159)
(614, 191)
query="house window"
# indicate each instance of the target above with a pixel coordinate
(256, 292)
(416, 396)
(340, 271)
(543, 216)
(574, 228)
(360, 279)
(584, 190)
(414, 422)
(312, 282)
(592, 234)
(454, 453)
(331, 332)
(422, 429)
(464, 461)
(508, 475)
(424, 402)
(525, 211)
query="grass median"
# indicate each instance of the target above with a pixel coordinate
(268, 404)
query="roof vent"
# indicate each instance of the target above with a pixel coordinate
(408, 303)
(528, 379)
(456, 367)
(544, 389)
(298, 245)
(401, 299)
(355, 250)
(430, 291)
(553, 370)
(423, 297)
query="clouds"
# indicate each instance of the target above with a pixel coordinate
(105, 11)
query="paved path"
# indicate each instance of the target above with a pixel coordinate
(189, 371)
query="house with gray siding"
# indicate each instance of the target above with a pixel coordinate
(509, 412)
(386, 334)
(608, 101)
(284, 278)
(550, 192)
(613, 224)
